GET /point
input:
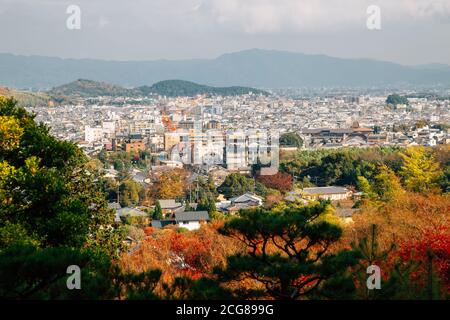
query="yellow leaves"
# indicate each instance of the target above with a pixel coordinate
(407, 216)
(365, 187)
(171, 184)
(10, 133)
(387, 184)
(384, 187)
(3, 100)
(32, 164)
(6, 171)
(420, 171)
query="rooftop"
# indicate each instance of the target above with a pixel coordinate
(169, 204)
(192, 216)
(325, 190)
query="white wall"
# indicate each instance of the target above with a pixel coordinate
(190, 225)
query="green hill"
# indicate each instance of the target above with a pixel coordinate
(176, 88)
(72, 92)
(87, 88)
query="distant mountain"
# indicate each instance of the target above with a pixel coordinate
(87, 88)
(250, 68)
(176, 88)
(433, 66)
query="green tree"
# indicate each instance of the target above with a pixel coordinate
(52, 213)
(157, 213)
(129, 193)
(207, 204)
(236, 184)
(47, 189)
(118, 165)
(291, 139)
(110, 188)
(288, 253)
(395, 99)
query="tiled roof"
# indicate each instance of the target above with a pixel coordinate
(169, 204)
(192, 216)
(325, 190)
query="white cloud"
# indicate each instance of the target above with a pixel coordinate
(272, 16)
(412, 29)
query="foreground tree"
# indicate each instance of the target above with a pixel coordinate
(51, 209)
(288, 253)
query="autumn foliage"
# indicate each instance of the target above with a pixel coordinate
(435, 244)
(192, 254)
(167, 185)
(280, 181)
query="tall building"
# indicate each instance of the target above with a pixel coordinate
(93, 134)
(235, 150)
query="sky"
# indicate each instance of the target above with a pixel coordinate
(412, 31)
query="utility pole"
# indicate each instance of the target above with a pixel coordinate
(197, 191)
(293, 180)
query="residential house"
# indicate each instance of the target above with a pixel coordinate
(125, 213)
(170, 206)
(190, 220)
(246, 201)
(328, 193)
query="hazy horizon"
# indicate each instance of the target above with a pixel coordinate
(224, 53)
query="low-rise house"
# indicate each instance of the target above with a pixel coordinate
(159, 224)
(247, 198)
(326, 193)
(246, 201)
(190, 220)
(294, 196)
(170, 206)
(139, 176)
(125, 213)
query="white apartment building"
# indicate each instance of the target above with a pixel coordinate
(93, 134)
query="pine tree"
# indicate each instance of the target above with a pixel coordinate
(288, 254)
(157, 213)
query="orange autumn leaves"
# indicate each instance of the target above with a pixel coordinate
(418, 224)
(192, 254)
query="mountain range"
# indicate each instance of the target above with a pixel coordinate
(249, 68)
